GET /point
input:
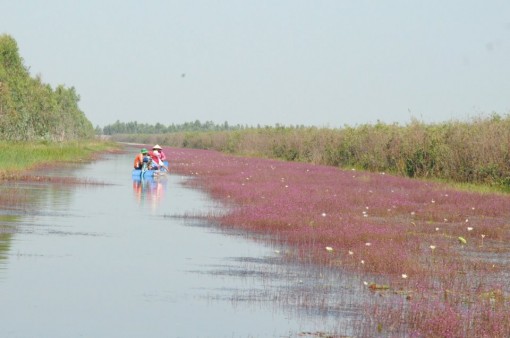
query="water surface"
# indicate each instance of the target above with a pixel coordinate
(117, 260)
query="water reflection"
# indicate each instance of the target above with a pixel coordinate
(81, 264)
(150, 190)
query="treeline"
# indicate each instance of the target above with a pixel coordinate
(477, 151)
(158, 128)
(32, 110)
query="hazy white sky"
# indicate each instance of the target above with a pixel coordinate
(311, 62)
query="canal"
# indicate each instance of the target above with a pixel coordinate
(124, 258)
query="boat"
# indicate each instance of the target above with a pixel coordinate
(139, 173)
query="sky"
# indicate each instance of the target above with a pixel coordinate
(324, 63)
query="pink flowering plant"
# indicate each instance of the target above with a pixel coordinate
(442, 254)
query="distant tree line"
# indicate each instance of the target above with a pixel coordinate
(158, 128)
(32, 110)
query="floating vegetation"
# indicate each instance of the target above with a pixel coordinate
(403, 233)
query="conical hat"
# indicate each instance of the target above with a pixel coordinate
(157, 146)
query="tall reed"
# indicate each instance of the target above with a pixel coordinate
(471, 152)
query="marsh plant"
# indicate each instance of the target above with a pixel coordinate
(401, 236)
(475, 151)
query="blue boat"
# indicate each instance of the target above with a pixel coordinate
(138, 173)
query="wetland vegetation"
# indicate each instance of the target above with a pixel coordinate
(465, 152)
(434, 258)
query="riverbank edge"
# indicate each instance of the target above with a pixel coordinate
(19, 158)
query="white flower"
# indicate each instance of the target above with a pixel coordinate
(362, 262)
(413, 213)
(483, 236)
(323, 214)
(469, 228)
(368, 244)
(467, 220)
(404, 276)
(365, 283)
(351, 253)
(437, 229)
(432, 247)
(328, 248)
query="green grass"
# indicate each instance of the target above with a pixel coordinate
(19, 156)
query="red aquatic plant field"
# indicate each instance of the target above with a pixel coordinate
(438, 257)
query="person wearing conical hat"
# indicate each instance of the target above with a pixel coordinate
(158, 156)
(159, 150)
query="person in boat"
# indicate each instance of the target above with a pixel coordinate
(141, 158)
(160, 150)
(158, 156)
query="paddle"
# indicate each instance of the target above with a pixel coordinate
(164, 166)
(144, 169)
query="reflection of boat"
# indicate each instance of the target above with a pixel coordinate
(137, 173)
(149, 189)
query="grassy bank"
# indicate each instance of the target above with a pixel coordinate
(474, 152)
(20, 156)
(435, 260)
